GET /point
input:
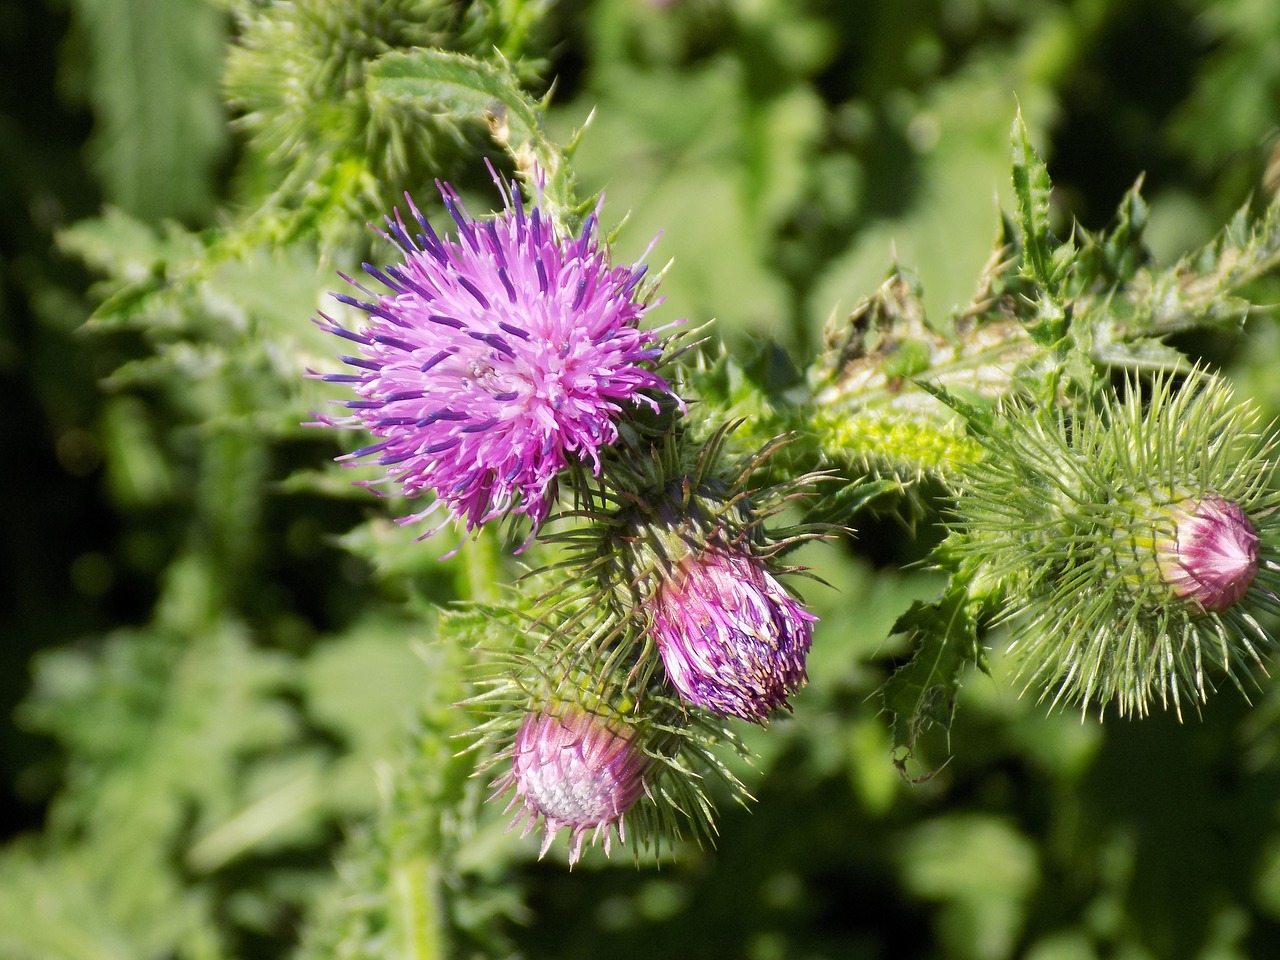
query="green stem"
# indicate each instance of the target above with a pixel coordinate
(416, 886)
(483, 563)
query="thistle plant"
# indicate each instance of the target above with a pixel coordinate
(1122, 539)
(507, 359)
(616, 609)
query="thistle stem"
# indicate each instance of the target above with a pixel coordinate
(416, 886)
(483, 564)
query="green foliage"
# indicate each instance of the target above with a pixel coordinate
(333, 149)
(1031, 191)
(462, 87)
(922, 694)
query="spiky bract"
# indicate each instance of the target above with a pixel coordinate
(499, 357)
(1069, 516)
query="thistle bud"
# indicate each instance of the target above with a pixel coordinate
(731, 638)
(1212, 556)
(687, 561)
(572, 768)
(1132, 543)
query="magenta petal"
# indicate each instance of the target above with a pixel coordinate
(1212, 557)
(571, 768)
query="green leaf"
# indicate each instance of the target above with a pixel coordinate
(854, 497)
(463, 85)
(472, 89)
(1124, 251)
(922, 693)
(978, 415)
(1031, 187)
(1147, 354)
(154, 77)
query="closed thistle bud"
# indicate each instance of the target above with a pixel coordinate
(572, 768)
(1211, 558)
(731, 638)
(1131, 544)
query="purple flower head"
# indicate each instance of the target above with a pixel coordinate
(731, 637)
(498, 357)
(572, 768)
(1212, 556)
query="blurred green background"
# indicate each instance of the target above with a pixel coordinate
(212, 648)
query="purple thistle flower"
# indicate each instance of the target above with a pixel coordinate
(499, 357)
(731, 637)
(574, 769)
(1212, 557)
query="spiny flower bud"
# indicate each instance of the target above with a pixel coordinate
(1212, 556)
(496, 360)
(697, 567)
(731, 638)
(1130, 542)
(572, 768)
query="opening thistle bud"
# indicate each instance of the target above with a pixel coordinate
(1211, 558)
(731, 638)
(572, 768)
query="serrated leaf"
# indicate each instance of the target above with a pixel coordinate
(1124, 250)
(850, 499)
(1031, 186)
(490, 92)
(124, 247)
(1200, 290)
(922, 693)
(465, 86)
(978, 416)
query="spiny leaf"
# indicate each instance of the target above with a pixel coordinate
(979, 416)
(1031, 187)
(1146, 353)
(463, 85)
(854, 497)
(491, 92)
(1123, 250)
(1199, 291)
(922, 693)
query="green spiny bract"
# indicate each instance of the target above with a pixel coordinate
(1072, 522)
